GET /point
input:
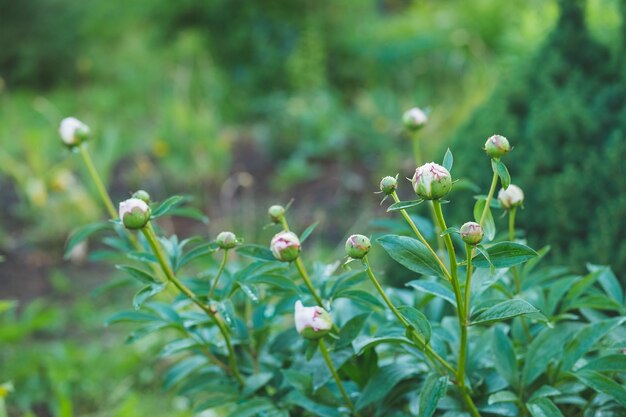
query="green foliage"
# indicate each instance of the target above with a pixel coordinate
(563, 111)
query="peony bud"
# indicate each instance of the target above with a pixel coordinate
(134, 213)
(510, 198)
(73, 132)
(226, 240)
(142, 195)
(285, 246)
(431, 181)
(496, 146)
(388, 185)
(312, 322)
(414, 119)
(276, 213)
(472, 233)
(357, 246)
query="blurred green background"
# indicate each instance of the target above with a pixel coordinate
(243, 104)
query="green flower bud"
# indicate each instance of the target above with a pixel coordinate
(73, 132)
(357, 246)
(472, 233)
(134, 213)
(226, 240)
(388, 185)
(431, 181)
(285, 246)
(414, 119)
(142, 195)
(512, 197)
(496, 146)
(312, 322)
(276, 213)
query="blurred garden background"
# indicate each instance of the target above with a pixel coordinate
(242, 104)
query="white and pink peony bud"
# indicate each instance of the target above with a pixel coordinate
(414, 119)
(472, 233)
(73, 132)
(285, 246)
(510, 198)
(312, 322)
(357, 246)
(432, 181)
(134, 213)
(388, 185)
(226, 240)
(496, 146)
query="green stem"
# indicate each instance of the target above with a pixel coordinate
(104, 195)
(417, 151)
(422, 343)
(452, 258)
(156, 249)
(333, 371)
(492, 190)
(219, 273)
(518, 284)
(408, 219)
(307, 281)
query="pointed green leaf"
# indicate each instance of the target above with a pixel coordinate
(434, 288)
(139, 274)
(256, 251)
(433, 390)
(403, 205)
(504, 310)
(500, 169)
(411, 253)
(448, 160)
(609, 363)
(82, 233)
(307, 232)
(504, 255)
(351, 330)
(543, 407)
(504, 357)
(145, 293)
(417, 320)
(603, 384)
(382, 382)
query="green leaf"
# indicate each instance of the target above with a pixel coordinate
(145, 293)
(417, 320)
(434, 288)
(448, 160)
(351, 330)
(274, 280)
(500, 169)
(382, 382)
(504, 310)
(299, 399)
(183, 368)
(256, 252)
(433, 390)
(255, 382)
(166, 206)
(411, 254)
(130, 316)
(490, 225)
(403, 205)
(449, 230)
(609, 363)
(253, 407)
(82, 233)
(504, 255)
(603, 384)
(139, 274)
(502, 397)
(543, 407)
(585, 339)
(546, 346)
(365, 342)
(307, 232)
(504, 357)
(360, 296)
(609, 282)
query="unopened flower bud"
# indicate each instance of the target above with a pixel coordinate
(357, 246)
(226, 240)
(276, 213)
(73, 132)
(388, 185)
(312, 322)
(134, 213)
(285, 246)
(431, 181)
(496, 146)
(512, 197)
(414, 119)
(472, 233)
(142, 195)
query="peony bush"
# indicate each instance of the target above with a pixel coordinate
(482, 329)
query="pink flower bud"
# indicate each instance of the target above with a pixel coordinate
(134, 213)
(496, 146)
(512, 197)
(312, 322)
(285, 246)
(432, 181)
(472, 233)
(414, 119)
